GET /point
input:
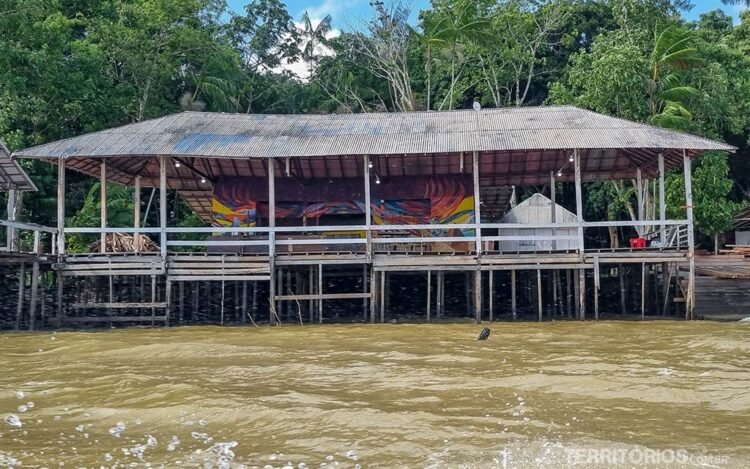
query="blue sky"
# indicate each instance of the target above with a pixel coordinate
(347, 14)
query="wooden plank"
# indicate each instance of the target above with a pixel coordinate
(325, 296)
(113, 319)
(111, 305)
(201, 278)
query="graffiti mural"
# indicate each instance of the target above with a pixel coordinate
(396, 201)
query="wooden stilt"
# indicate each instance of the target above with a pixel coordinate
(103, 205)
(577, 295)
(440, 297)
(320, 293)
(243, 306)
(478, 296)
(643, 291)
(311, 303)
(554, 292)
(513, 305)
(490, 295)
(597, 287)
(569, 293)
(690, 297)
(382, 295)
(153, 300)
(539, 305)
(21, 287)
(255, 299)
(60, 298)
(582, 292)
(168, 301)
(221, 308)
(181, 294)
(621, 278)
(111, 299)
(467, 291)
(272, 240)
(429, 296)
(373, 295)
(364, 290)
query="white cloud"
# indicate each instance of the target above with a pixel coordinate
(300, 68)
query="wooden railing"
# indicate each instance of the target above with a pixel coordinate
(363, 238)
(38, 232)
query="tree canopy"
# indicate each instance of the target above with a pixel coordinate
(70, 67)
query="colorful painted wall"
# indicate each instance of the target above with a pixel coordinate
(397, 200)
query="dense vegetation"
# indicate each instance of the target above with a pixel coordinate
(74, 66)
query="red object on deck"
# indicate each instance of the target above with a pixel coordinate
(637, 243)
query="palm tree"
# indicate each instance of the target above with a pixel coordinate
(435, 34)
(313, 36)
(668, 97)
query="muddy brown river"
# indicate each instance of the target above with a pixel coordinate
(565, 394)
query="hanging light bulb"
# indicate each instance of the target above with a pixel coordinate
(571, 158)
(377, 180)
(203, 180)
(177, 164)
(559, 172)
(369, 164)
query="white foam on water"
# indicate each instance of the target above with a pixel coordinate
(19, 394)
(22, 408)
(13, 420)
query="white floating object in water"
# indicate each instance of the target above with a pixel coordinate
(351, 454)
(747, 319)
(22, 408)
(13, 420)
(19, 394)
(30, 405)
(107, 457)
(665, 372)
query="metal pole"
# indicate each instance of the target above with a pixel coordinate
(429, 285)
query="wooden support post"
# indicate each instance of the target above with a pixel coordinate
(639, 198)
(364, 291)
(569, 293)
(137, 215)
(597, 287)
(11, 240)
(243, 307)
(662, 203)
(555, 276)
(582, 292)
(311, 287)
(272, 317)
(513, 306)
(368, 208)
(478, 296)
(490, 295)
(539, 305)
(643, 291)
(163, 206)
(168, 301)
(623, 301)
(477, 210)
(439, 295)
(60, 297)
(579, 200)
(373, 295)
(153, 299)
(221, 307)
(382, 296)
(690, 299)
(103, 204)
(34, 293)
(21, 287)
(320, 293)
(181, 294)
(60, 210)
(553, 208)
(429, 286)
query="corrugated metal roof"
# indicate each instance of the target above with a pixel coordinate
(12, 175)
(196, 134)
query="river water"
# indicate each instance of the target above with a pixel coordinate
(565, 394)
